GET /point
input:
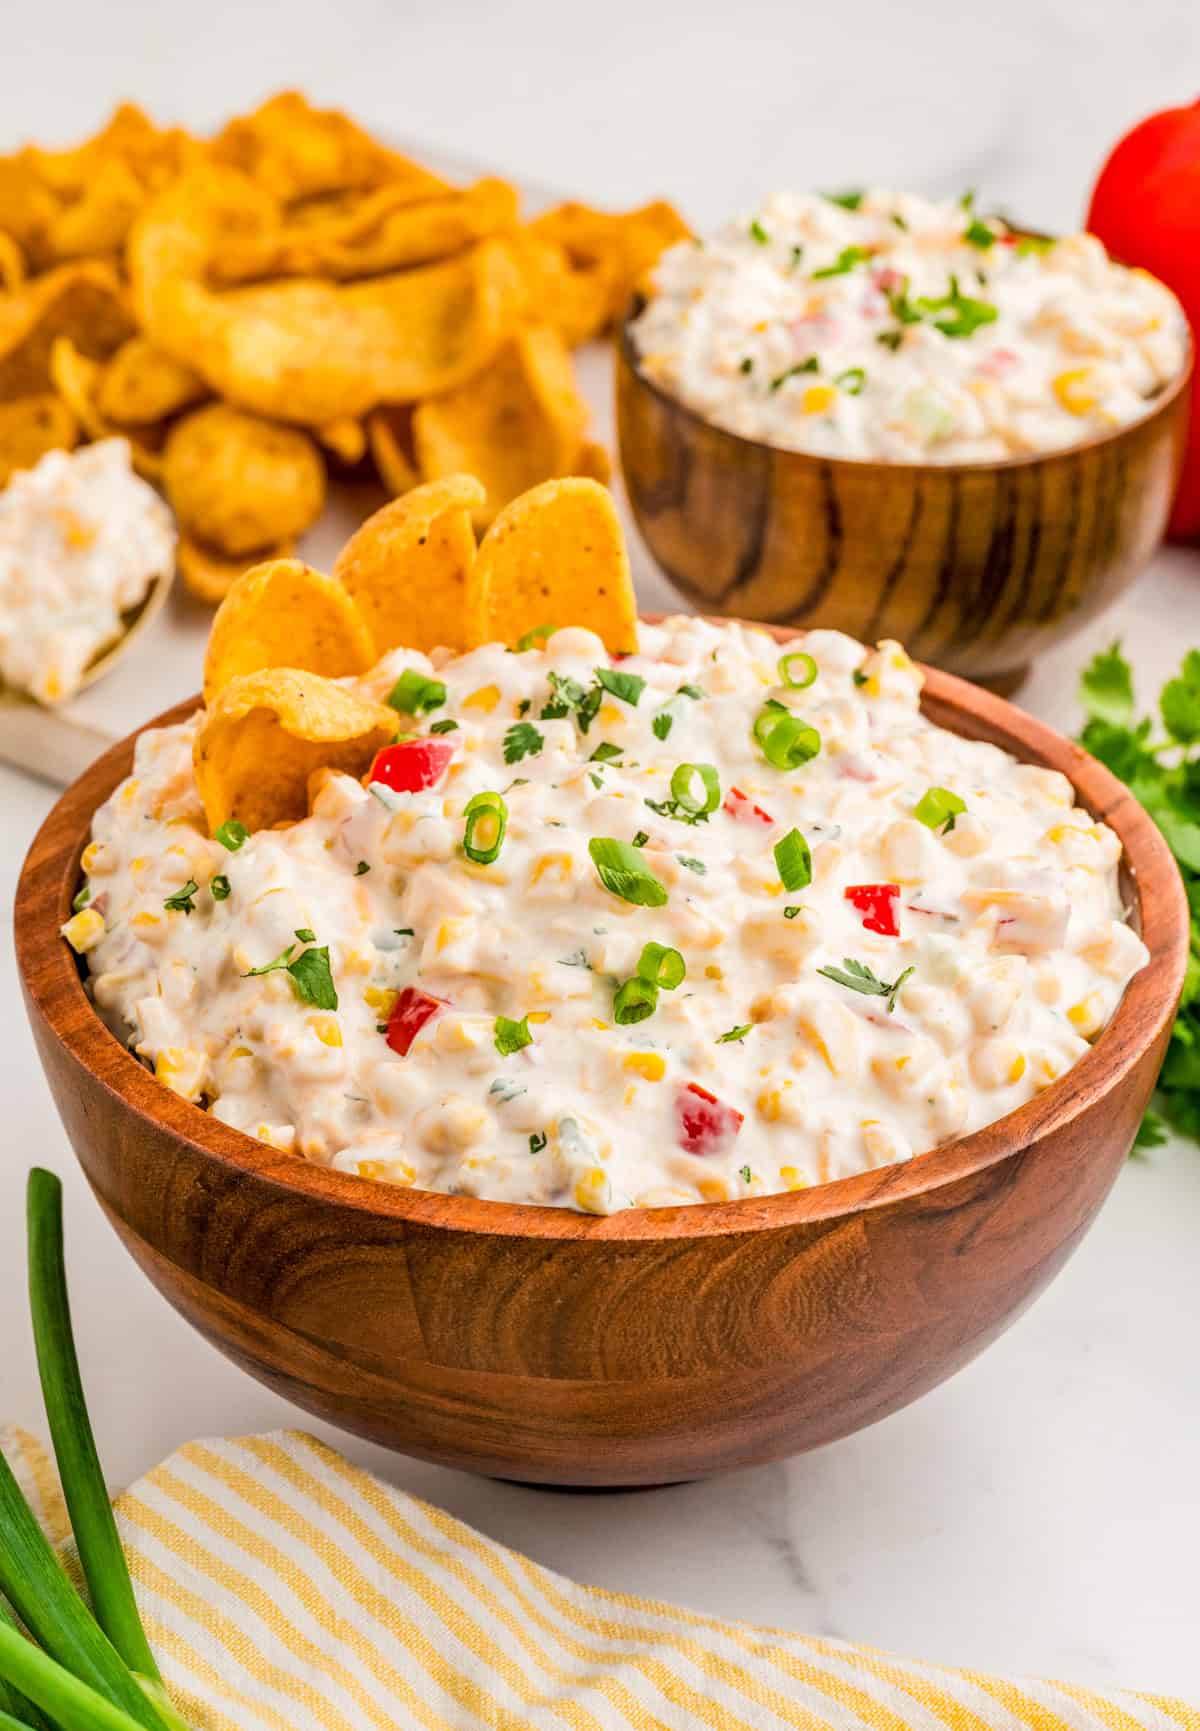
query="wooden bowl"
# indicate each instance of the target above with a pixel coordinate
(975, 567)
(654, 1345)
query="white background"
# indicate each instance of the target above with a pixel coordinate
(1041, 1512)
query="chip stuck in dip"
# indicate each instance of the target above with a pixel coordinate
(592, 916)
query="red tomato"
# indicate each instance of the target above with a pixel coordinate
(412, 1009)
(413, 765)
(706, 1125)
(744, 810)
(879, 906)
(1146, 209)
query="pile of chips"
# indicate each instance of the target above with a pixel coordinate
(283, 637)
(292, 297)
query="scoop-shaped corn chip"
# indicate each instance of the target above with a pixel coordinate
(389, 231)
(208, 576)
(77, 381)
(518, 422)
(624, 245)
(265, 735)
(82, 302)
(312, 351)
(98, 222)
(285, 614)
(389, 434)
(240, 483)
(12, 264)
(575, 297)
(29, 428)
(142, 383)
(346, 438)
(409, 568)
(301, 152)
(557, 555)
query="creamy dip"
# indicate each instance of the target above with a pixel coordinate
(81, 541)
(470, 1028)
(905, 330)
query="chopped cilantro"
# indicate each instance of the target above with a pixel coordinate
(522, 740)
(979, 234)
(759, 233)
(790, 912)
(739, 1033)
(847, 200)
(852, 380)
(311, 976)
(537, 1141)
(446, 726)
(627, 686)
(747, 365)
(847, 260)
(538, 634)
(858, 977)
(184, 900)
(361, 868)
(744, 1174)
(811, 365)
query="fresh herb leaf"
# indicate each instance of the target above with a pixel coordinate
(744, 1174)
(184, 900)
(739, 1033)
(537, 1141)
(890, 339)
(747, 365)
(627, 686)
(789, 913)
(414, 693)
(758, 233)
(793, 861)
(361, 869)
(623, 871)
(1031, 244)
(954, 313)
(847, 200)
(852, 380)
(606, 752)
(522, 740)
(1106, 687)
(662, 724)
(446, 726)
(538, 634)
(858, 977)
(979, 234)
(312, 978)
(811, 365)
(847, 260)
(641, 838)
(692, 691)
(511, 1036)
(693, 865)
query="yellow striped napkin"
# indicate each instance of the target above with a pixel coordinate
(283, 1588)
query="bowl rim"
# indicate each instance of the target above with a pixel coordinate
(1165, 401)
(53, 987)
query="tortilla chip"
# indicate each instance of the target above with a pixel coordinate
(311, 351)
(285, 614)
(389, 433)
(557, 553)
(141, 384)
(296, 151)
(346, 438)
(265, 735)
(208, 576)
(31, 426)
(84, 303)
(623, 246)
(389, 231)
(593, 460)
(210, 215)
(12, 264)
(77, 381)
(240, 483)
(408, 569)
(99, 221)
(518, 422)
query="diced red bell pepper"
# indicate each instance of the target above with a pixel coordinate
(412, 1009)
(879, 905)
(744, 810)
(413, 765)
(706, 1125)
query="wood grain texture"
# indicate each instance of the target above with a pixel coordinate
(977, 568)
(654, 1345)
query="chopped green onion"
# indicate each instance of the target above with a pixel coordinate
(537, 1141)
(446, 726)
(793, 861)
(82, 899)
(938, 809)
(797, 671)
(696, 788)
(979, 234)
(511, 1036)
(232, 834)
(627, 686)
(847, 260)
(811, 365)
(759, 233)
(486, 817)
(538, 634)
(789, 913)
(634, 1001)
(414, 692)
(74, 1704)
(623, 871)
(785, 741)
(219, 887)
(852, 380)
(747, 365)
(641, 838)
(662, 967)
(606, 752)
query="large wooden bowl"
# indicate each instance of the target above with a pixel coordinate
(653, 1345)
(975, 567)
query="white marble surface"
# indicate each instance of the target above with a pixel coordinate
(1040, 1512)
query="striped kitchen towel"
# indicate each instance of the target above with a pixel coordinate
(284, 1589)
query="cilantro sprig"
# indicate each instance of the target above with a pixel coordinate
(311, 976)
(858, 977)
(1163, 772)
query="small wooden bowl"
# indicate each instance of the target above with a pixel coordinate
(654, 1345)
(975, 567)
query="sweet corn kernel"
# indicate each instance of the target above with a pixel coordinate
(146, 921)
(593, 1192)
(84, 930)
(561, 864)
(792, 1179)
(327, 1030)
(713, 972)
(486, 698)
(538, 1016)
(1071, 390)
(92, 853)
(713, 1189)
(651, 1065)
(1087, 1016)
(381, 999)
(817, 399)
(450, 931)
